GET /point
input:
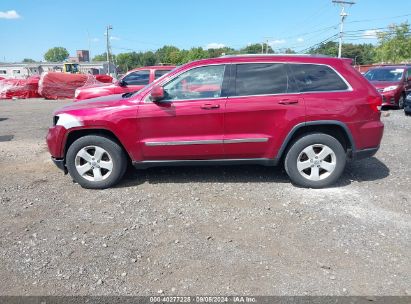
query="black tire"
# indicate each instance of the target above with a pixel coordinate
(401, 101)
(116, 156)
(319, 141)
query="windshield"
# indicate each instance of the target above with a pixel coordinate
(393, 74)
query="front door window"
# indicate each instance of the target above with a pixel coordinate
(198, 83)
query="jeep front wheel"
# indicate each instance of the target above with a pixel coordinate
(96, 162)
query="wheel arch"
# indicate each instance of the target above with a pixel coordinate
(78, 133)
(335, 128)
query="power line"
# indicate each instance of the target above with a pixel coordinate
(377, 19)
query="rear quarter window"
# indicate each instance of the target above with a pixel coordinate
(316, 78)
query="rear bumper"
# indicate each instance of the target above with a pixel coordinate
(365, 153)
(60, 163)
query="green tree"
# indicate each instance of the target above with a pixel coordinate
(359, 53)
(56, 54)
(28, 60)
(289, 51)
(128, 61)
(394, 45)
(218, 52)
(329, 48)
(148, 58)
(256, 48)
(101, 57)
(168, 54)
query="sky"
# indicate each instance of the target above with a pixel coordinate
(29, 28)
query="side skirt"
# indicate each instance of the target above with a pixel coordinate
(207, 162)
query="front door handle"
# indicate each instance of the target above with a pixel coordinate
(209, 106)
(288, 101)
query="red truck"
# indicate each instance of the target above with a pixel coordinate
(133, 81)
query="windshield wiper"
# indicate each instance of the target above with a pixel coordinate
(127, 95)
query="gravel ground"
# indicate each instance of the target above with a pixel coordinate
(200, 230)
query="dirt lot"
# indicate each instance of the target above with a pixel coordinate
(200, 230)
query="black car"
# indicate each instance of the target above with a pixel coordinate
(407, 105)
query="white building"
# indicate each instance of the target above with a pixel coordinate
(24, 70)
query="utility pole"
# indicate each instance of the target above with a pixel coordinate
(343, 15)
(267, 39)
(109, 27)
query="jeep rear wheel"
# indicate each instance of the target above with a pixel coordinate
(315, 160)
(96, 162)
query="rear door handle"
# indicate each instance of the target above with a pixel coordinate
(209, 106)
(288, 101)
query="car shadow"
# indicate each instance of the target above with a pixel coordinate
(365, 170)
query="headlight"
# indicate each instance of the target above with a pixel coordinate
(76, 93)
(390, 88)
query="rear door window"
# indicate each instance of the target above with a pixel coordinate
(316, 78)
(261, 79)
(159, 73)
(137, 78)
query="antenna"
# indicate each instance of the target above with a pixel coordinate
(343, 15)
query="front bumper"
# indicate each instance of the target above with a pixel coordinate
(390, 98)
(60, 163)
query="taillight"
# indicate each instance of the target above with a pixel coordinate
(375, 103)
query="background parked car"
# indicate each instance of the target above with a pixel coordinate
(133, 81)
(393, 82)
(407, 105)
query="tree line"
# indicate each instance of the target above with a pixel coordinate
(393, 46)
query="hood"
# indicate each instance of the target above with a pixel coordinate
(384, 84)
(93, 103)
(107, 86)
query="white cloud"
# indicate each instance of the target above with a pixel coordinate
(95, 40)
(114, 38)
(370, 34)
(9, 15)
(214, 45)
(300, 39)
(276, 42)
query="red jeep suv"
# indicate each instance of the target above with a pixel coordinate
(309, 113)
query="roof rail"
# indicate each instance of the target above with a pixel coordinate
(270, 55)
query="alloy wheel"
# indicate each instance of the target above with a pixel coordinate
(93, 163)
(316, 162)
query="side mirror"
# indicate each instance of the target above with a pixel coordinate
(157, 93)
(122, 83)
(409, 78)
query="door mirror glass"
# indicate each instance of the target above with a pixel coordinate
(122, 83)
(157, 93)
